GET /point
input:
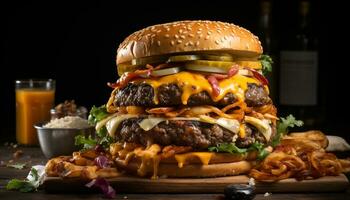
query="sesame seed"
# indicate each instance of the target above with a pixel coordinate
(207, 37)
(190, 43)
(199, 32)
(185, 32)
(209, 32)
(182, 36)
(197, 43)
(180, 31)
(200, 29)
(225, 38)
(217, 41)
(191, 35)
(179, 41)
(172, 43)
(186, 44)
(158, 43)
(166, 35)
(167, 29)
(176, 36)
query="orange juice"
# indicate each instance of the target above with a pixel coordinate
(32, 106)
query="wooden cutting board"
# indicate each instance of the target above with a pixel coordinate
(200, 185)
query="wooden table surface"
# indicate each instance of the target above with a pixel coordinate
(33, 156)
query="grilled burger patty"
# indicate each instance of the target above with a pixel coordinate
(196, 134)
(170, 95)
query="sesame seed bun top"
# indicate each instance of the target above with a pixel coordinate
(189, 36)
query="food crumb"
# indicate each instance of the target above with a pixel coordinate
(125, 197)
(252, 181)
(267, 194)
(17, 154)
(10, 161)
(2, 163)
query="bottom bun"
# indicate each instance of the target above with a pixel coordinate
(190, 170)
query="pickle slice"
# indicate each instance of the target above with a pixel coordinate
(166, 71)
(250, 64)
(218, 57)
(149, 60)
(206, 65)
(206, 69)
(123, 67)
(183, 58)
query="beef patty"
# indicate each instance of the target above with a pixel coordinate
(196, 134)
(170, 95)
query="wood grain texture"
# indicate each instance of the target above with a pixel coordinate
(203, 185)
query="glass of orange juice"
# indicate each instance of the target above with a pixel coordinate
(34, 99)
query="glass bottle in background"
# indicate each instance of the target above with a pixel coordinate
(269, 43)
(298, 85)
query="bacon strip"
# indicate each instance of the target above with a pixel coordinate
(213, 78)
(128, 76)
(259, 76)
(214, 84)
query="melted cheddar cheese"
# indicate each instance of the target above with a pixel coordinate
(204, 157)
(194, 83)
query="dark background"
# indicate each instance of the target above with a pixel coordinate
(75, 43)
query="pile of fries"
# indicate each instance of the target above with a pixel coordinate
(301, 156)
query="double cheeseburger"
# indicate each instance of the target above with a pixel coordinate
(191, 101)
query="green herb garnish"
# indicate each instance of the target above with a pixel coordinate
(17, 165)
(25, 185)
(283, 126)
(266, 62)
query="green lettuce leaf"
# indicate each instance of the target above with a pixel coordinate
(233, 149)
(97, 114)
(85, 142)
(102, 137)
(228, 148)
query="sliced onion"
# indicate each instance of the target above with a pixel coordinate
(148, 123)
(166, 71)
(245, 72)
(230, 124)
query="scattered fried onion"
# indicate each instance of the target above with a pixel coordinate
(277, 166)
(325, 163)
(300, 156)
(159, 110)
(81, 165)
(345, 163)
